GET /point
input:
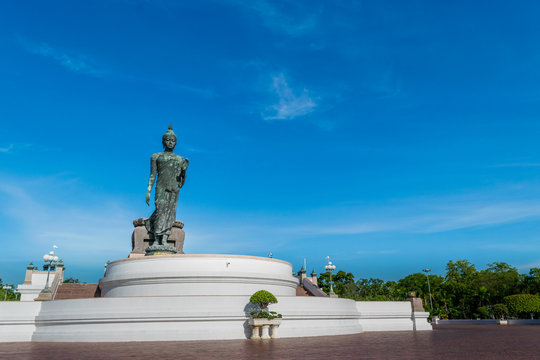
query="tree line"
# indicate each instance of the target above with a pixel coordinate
(7, 295)
(462, 293)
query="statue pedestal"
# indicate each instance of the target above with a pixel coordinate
(141, 239)
(160, 250)
(197, 274)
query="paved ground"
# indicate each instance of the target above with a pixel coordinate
(445, 342)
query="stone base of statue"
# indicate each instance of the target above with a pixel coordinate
(160, 250)
(197, 297)
(197, 274)
(141, 238)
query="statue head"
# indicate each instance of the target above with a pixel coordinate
(169, 139)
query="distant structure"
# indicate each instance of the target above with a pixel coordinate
(34, 280)
(308, 286)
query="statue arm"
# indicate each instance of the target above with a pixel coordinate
(182, 177)
(152, 178)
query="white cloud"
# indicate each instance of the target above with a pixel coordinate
(479, 214)
(204, 92)
(38, 219)
(528, 266)
(83, 64)
(408, 216)
(7, 149)
(517, 165)
(280, 20)
(388, 85)
(512, 247)
(376, 252)
(290, 105)
(75, 62)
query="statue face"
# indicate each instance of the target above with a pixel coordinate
(169, 142)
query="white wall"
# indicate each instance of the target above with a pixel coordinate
(176, 318)
(17, 320)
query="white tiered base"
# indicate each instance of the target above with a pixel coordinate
(196, 297)
(198, 274)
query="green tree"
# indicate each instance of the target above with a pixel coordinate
(500, 311)
(531, 282)
(496, 282)
(461, 284)
(464, 292)
(350, 291)
(371, 289)
(340, 279)
(379, 290)
(8, 294)
(71, 281)
(418, 283)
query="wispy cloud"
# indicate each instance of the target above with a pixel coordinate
(528, 266)
(376, 252)
(513, 246)
(408, 216)
(193, 149)
(292, 19)
(81, 230)
(84, 64)
(204, 92)
(7, 149)
(71, 60)
(17, 147)
(388, 85)
(486, 214)
(524, 165)
(290, 105)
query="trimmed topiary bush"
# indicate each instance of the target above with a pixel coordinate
(263, 298)
(522, 304)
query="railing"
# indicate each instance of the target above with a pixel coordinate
(56, 283)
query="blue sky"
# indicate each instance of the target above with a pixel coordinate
(388, 135)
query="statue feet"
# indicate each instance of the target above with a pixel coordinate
(156, 249)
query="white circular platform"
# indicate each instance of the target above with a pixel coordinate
(198, 274)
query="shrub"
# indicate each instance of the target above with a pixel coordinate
(522, 304)
(265, 315)
(483, 311)
(500, 311)
(263, 298)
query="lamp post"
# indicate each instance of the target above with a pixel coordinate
(330, 267)
(6, 289)
(51, 259)
(429, 287)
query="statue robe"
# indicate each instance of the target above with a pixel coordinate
(171, 175)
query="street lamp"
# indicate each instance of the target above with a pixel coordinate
(51, 258)
(330, 267)
(429, 287)
(6, 289)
